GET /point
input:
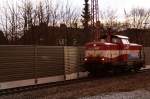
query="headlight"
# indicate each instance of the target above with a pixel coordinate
(85, 59)
(94, 45)
(102, 59)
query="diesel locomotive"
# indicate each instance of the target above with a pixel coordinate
(113, 52)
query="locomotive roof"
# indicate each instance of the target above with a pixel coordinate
(117, 36)
(120, 36)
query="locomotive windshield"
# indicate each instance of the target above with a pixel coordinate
(116, 40)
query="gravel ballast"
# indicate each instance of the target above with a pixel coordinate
(138, 94)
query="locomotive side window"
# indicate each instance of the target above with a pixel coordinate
(125, 41)
(102, 40)
(116, 40)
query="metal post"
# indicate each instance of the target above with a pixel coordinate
(35, 64)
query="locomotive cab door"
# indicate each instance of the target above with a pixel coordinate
(125, 49)
(118, 41)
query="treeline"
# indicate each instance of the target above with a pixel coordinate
(49, 35)
(18, 19)
(55, 23)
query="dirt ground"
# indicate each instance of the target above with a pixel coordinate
(138, 94)
(95, 88)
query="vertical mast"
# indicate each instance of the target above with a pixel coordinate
(95, 19)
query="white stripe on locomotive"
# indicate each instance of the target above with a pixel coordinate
(110, 53)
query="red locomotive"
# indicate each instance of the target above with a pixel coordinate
(113, 52)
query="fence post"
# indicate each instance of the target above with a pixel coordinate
(35, 64)
(64, 62)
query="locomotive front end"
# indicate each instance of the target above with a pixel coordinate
(95, 57)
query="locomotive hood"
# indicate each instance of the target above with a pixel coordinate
(101, 46)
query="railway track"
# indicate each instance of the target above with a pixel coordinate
(42, 86)
(62, 83)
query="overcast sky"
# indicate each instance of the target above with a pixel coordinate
(118, 5)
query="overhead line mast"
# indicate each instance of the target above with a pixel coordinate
(95, 19)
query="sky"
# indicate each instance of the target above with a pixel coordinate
(118, 5)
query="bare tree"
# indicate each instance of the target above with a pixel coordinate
(4, 22)
(40, 12)
(138, 17)
(68, 15)
(126, 23)
(48, 8)
(26, 12)
(13, 23)
(47, 13)
(55, 14)
(109, 17)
